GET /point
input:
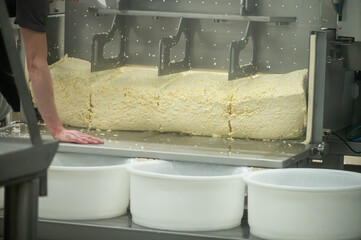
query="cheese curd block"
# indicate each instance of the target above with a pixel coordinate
(127, 99)
(270, 106)
(72, 81)
(197, 103)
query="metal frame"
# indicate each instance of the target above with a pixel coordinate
(21, 210)
(320, 49)
(123, 228)
(22, 162)
(331, 80)
(100, 11)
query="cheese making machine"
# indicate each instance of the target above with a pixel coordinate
(239, 37)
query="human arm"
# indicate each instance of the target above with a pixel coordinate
(39, 73)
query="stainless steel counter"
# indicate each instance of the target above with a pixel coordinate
(174, 146)
(123, 228)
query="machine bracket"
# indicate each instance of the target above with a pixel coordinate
(165, 65)
(235, 70)
(98, 61)
(246, 7)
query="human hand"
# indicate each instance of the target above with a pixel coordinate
(73, 136)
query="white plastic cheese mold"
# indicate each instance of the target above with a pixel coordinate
(186, 196)
(84, 186)
(304, 204)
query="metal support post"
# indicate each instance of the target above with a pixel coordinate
(21, 211)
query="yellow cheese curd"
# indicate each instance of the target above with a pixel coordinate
(269, 106)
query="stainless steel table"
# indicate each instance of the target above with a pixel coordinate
(123, 228)
(182, 147)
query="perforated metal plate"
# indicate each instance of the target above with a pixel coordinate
(279, 48)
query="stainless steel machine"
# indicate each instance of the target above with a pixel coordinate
(241, 37)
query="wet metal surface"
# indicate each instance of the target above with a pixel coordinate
(174, 146)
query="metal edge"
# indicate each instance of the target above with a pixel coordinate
(311, 90)
(177, 156)
(98, 11)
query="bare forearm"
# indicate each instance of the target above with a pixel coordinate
(44, 96)
(42, 85)
(39, 73)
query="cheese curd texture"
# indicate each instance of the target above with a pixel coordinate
(72, 87)
(269, 106)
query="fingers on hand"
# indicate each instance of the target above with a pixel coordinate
(86, 138)
(96, 140)
(91, 139)
(77, 137)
